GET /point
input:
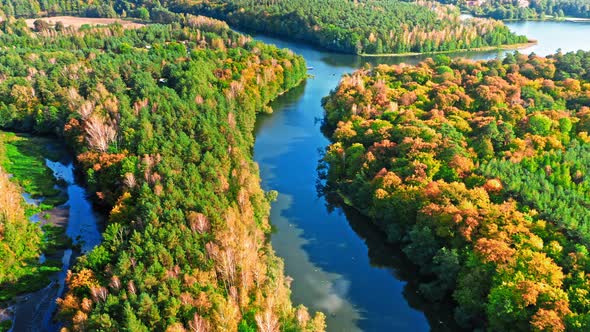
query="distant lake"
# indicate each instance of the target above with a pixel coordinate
(569, 36)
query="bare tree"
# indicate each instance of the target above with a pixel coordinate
(267, 321)
(198, 324)
(99, 133)
(198, 222)
(130, 181)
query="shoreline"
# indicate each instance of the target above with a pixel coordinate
(549, 18)
(519, 46)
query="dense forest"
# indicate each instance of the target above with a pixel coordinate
(152, 11)
(160, 119)
(479, 171)
(99, 8)
(26, 8)
(370, 27)
(526, 10)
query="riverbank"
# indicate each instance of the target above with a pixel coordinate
(528, 44)
(339, 261)
(332, 268)
(575, 19)
(429, 210)
(551, 18)
(546, 18)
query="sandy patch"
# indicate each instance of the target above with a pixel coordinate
(79, 21)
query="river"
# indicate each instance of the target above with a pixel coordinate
(337, 259)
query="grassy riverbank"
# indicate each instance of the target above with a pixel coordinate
(24, 158)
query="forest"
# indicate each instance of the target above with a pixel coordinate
(339, 25)
(479, 171)
(160, 120)
(139, 10)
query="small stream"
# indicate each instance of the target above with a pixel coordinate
(83, 222)
(35, 311)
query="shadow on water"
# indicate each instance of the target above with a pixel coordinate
(264, 120)
(384, 255)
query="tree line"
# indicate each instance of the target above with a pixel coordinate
(534, 9)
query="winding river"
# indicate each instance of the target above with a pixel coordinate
(338, 261)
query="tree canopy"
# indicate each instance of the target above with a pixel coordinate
(479, 170)
(160, 119)
(524, 10)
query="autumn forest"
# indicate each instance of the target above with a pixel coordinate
(475, 171)
(478, 170)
